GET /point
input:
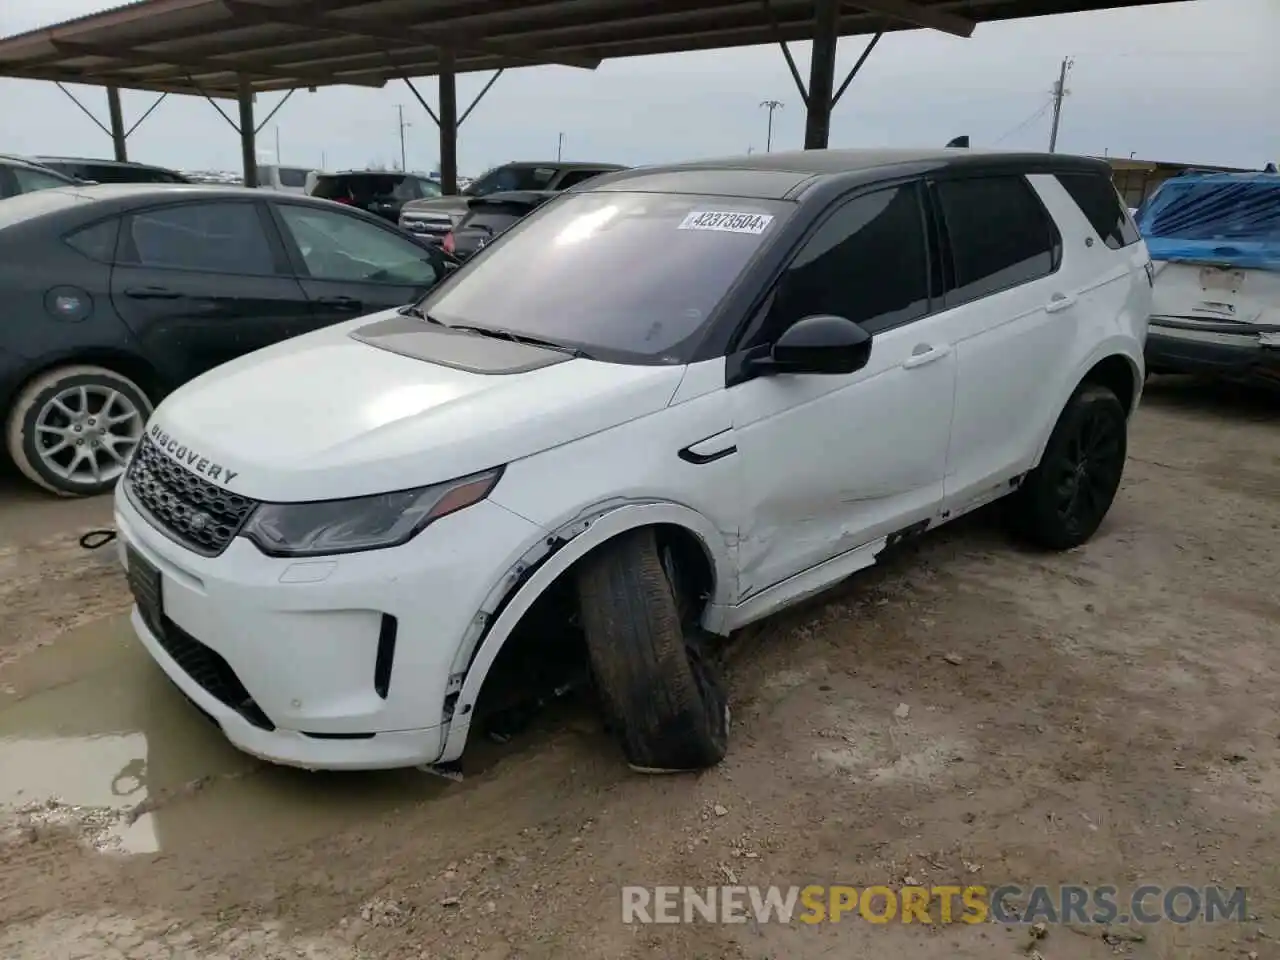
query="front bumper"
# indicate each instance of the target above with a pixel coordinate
(1223, 350)
(283, 653)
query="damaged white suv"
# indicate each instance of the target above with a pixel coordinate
(680, 397)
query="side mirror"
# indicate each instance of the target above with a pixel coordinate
(821, 343)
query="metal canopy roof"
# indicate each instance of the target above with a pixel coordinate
(207, 46)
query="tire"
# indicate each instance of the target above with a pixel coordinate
(659, 693)
(1063, 501)
(45, 444)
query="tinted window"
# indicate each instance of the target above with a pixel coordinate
(868, 262)
(107, 173)
(429, 188)
(66, 169)
(1000, 234)
(512, 178)
(97, 242)
(1098, 200)
(339, 247)
(29, 180)
(292, 176)
(210, 237)
(668, 261)
(365, 187)
(575, 177)
(490, 222)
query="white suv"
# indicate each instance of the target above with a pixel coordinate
(683, 397)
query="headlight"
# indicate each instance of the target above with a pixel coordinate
(361, 523)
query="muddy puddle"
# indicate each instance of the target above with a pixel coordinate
(93, 737)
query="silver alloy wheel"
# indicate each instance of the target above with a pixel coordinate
(85, 434)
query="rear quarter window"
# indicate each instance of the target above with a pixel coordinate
(97, 241)
(1098, 200)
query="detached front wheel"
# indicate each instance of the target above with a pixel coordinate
(663, 698)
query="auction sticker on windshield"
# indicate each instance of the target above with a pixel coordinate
(727, 221)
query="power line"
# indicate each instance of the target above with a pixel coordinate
(1044, 108)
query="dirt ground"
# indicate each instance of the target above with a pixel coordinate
(1107, 715)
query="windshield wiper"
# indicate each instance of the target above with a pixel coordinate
(498, 334)
(413, 310)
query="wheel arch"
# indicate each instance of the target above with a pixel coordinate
(555, 557)
(122, 362)
(1113, 366)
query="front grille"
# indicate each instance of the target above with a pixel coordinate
(212, 672)
(198, 514)
(434, 226)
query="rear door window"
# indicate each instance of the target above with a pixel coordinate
(1000, 234)
(221, 237)
(1098, 200)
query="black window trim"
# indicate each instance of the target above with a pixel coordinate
(950, 299)
(125, 245)
(736, 354)
(298, 266)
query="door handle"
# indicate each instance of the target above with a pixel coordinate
(922, 354)
(151, 293)
(340, 303)
(1059, 302)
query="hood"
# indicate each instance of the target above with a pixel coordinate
(362, 408)
(453, 206)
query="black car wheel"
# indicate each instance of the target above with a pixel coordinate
(1063, 501)
(72, 430)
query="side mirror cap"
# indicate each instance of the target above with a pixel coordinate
(822, 343)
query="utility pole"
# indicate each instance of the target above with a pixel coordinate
(278, 145)
(560, 147)
(1059, 91)
(770, 105)
(402, 125)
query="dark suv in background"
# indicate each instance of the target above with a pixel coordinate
(434, 219)
(111, 171)
(382, 193)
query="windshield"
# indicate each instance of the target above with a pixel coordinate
(631, 277)
(511, 178)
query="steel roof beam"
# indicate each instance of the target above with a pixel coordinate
(250, 12)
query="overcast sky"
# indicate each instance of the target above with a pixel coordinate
(1197, 81)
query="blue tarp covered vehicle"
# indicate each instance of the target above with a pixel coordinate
(1222, 218)
(1215, 242)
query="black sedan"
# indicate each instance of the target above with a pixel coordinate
(116, 294)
